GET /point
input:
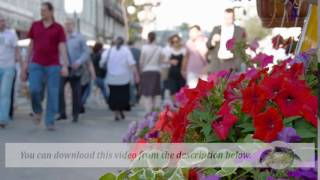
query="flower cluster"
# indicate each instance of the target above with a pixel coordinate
(139, 130)
(265, 103)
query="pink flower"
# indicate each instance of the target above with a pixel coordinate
(216, 75)
(230, 44)
(254, 45)
(181, 97)
(263, 59)
(251, 73)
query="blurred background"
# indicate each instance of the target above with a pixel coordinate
(102, 20)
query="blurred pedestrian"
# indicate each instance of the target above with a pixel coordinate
(150, 66)
(9, 54)
(120, 65)
(96, 57)
(78, 55)
(134, 88)
(47, 45)
(87, 77)
(195, 60)
(220, 57)
(175, 79)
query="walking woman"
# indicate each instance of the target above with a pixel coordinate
(175, 79)
(150, 65)
(120, 68)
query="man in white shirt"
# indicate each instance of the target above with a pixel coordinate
(9, 53)
(220, 58)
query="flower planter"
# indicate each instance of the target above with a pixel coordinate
(275, 13)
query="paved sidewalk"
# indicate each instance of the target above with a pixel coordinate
(96, 126)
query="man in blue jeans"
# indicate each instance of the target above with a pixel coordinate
(9, 53)
(46, 46)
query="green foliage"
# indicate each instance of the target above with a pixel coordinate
(108, 176)
(305, 130)
(254, 29)
(260, 175)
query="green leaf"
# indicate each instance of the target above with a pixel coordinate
(177, 175)
(305, 133)
(108, 176)
(261, 175)
(149, 174)
(143, 132)
(212, 138)
(123, 176)
(250, 139)
(169, 172)
(246, 127)
(209, 171)
(137, 174)
(305, 129)
(226, 172)
(207, 130)
(290, 119)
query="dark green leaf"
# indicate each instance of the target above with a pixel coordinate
(290, 119)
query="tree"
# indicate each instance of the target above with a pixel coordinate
(254, 29)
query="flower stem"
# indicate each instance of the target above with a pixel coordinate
(242, 174)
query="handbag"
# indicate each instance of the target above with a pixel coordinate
(105, 67)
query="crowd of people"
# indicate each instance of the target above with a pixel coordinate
(123, 73)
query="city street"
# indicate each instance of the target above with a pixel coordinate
(96, 126)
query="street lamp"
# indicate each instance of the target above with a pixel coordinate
(131, 10)
(74, 7)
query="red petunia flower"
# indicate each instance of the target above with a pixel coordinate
(291, 98)
(227, 117)
(267, 125)
(222, 125)
(181, 97)
(272, 85)
(279, 69)
(193, 175)
(163, 123)
(202, 89)
(310, 110)
(180, 122)
(254, 99)
(295, 71)
(220, 129)
(258, 76)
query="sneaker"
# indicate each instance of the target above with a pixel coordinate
(75, 119)
(61, 117)
(2, 126)
(82, 110)
(122, 115)
(36, 118)
(51, 128)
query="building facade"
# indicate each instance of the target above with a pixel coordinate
(99, 20)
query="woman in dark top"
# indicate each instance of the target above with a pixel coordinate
(175, 79)
(100, 72)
